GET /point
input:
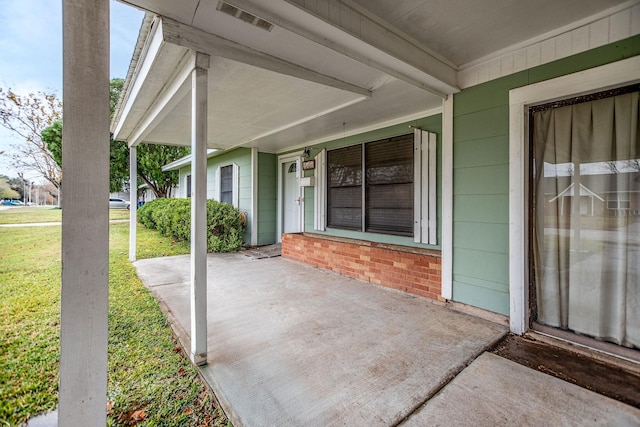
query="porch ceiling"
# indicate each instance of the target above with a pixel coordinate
(327, 68)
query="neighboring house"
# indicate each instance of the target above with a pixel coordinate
(404, 145)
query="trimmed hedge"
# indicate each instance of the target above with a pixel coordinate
(172, 217)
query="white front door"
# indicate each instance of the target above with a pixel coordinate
(291, 197)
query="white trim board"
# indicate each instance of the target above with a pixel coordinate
(605, 77)
(447, 199)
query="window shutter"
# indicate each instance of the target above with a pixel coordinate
(320, 191)
(236, 186)
(425, 225)
(216, 186)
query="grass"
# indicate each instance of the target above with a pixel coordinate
(25, 215)
(149, 376)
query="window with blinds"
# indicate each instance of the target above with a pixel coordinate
(370, 187)
(226, 184)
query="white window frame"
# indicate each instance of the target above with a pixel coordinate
(235, 184)
(617, 74)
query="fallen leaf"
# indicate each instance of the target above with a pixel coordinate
(177, 349)
(188, 411)
(182, 372)
(139, 415)
(109, 408)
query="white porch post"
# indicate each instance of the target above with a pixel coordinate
(199, 105)
(254, 196)
(85, 219)
(447, 198)
(133, 198)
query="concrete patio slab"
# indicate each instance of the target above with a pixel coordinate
(290, 344)
(494, 391)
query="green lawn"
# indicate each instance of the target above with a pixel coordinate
(149, 375)
(25, 215)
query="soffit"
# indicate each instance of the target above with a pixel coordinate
(250, 106)
(464, 31)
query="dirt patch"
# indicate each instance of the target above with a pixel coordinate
(608, 380)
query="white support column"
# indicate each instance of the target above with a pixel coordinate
(199, 106)
(254, 196)
(447, 198)
(85, 218)
(133, 199)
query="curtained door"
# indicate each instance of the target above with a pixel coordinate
(585, 239)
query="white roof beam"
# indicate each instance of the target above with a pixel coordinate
(201, 41)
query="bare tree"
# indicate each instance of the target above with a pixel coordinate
(27, 116)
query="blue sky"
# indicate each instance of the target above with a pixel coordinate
(31, 51)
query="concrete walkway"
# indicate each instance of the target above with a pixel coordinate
(290, 344)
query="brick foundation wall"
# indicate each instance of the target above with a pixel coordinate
(413, 270)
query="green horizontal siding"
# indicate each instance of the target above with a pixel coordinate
(496, 301)
(481, 180)
(267, 195)
(481, 209)
(488, 238)
(482, 152)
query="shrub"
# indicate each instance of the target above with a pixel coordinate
(224, 227)
(172, 217)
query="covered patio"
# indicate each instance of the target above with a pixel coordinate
(290, 344)
(275, 77)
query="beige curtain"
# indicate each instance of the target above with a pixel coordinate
(586, 222)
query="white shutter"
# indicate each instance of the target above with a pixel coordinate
(320, 191)
(236, 185)
(432, 224)
(216, 186)
(425, 225)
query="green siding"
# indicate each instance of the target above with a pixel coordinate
(431, 124)
(267, 195)
(493, 209)
(481, 176)
(488, 299)
(481, 180)
(488, 238)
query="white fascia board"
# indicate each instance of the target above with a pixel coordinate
(201, 41)
(173, 92)
(384, 47)
(149, 54)
(184, 161)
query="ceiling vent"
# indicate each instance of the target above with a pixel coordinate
(244, 16)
